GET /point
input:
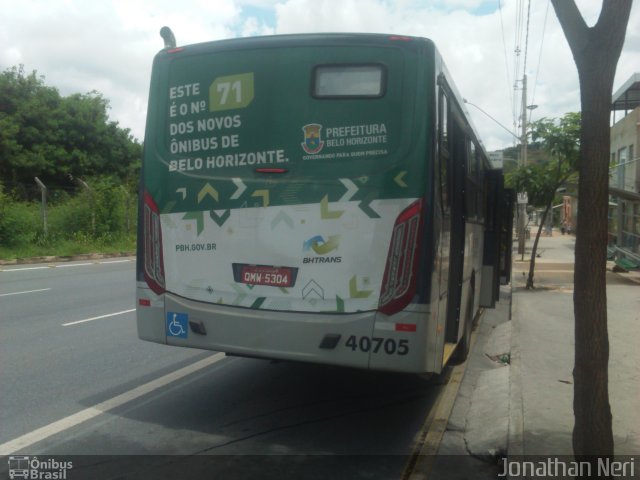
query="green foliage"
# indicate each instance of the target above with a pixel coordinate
(49, 136)
(540, 181)
(561, 140)
(57, 139)
(561, 137)
(106, 209)
(19, 221)
(95, 219)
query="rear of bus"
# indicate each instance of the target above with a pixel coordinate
(284, 184)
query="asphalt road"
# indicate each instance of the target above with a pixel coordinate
(71, 364)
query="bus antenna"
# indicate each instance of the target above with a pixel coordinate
(168, 37)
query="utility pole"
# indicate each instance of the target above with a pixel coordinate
(523, 199)
(524, 120)
(522, 196)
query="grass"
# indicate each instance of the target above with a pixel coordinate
(65, 248)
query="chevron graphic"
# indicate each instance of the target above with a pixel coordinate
(258, 303)
(240, 188)
(399, 179)
(365, 206)
(207, 190)
(325, 213)
(183, 191)
(281, 217)
(354, 292)
(265, 196)
(312, 288)
(198, 217)
(220, 218)
(339, 306)
(351, 187)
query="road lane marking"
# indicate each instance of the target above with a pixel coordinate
(25, 268)
(71, 265)
(26, 291)
(98, 317)
(63, 265)
(63, 424)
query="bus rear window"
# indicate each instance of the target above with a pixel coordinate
(338, 81)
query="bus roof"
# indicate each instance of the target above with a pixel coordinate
(287, 40)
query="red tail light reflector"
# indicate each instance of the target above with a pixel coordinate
(398, 283)
(153, 259)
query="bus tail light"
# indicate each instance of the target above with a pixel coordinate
(398, 283)
(153, 260)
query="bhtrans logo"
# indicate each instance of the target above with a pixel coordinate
(322, 247)
(22, 466)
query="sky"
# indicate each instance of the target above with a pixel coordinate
(488, 46)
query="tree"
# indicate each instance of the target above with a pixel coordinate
(46, 135)
(560, 139)
(596, 51)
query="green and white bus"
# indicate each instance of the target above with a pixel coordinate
(315, 198)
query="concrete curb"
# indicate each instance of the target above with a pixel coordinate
(515, 440)
(70, 258)
(487, 427)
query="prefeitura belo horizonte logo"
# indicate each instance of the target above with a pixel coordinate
(313, 142)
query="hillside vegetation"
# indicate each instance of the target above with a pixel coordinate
(88, 164)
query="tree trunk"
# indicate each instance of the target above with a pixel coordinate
(534, 250)
(592, 433)
(596, 51)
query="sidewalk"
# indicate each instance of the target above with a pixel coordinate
(517, 394)
(542, 355)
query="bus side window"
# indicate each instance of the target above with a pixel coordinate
(443, 148)
(474, 189)
(482, 196)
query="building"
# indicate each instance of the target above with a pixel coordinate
(624, 178)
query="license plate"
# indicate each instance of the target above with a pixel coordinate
(265, 275)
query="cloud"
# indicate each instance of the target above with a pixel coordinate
(109, 45)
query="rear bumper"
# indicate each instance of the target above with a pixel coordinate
(405, 342)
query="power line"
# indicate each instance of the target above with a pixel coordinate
(544, 30)
(506, 59)
(524, 67)
(517, 52)
(526, 43)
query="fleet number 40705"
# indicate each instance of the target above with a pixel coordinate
(390, 346)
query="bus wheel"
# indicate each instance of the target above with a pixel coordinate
(462, 350)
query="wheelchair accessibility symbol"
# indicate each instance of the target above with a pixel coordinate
(177, 324)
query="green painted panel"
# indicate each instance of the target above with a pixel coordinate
(218, 115)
